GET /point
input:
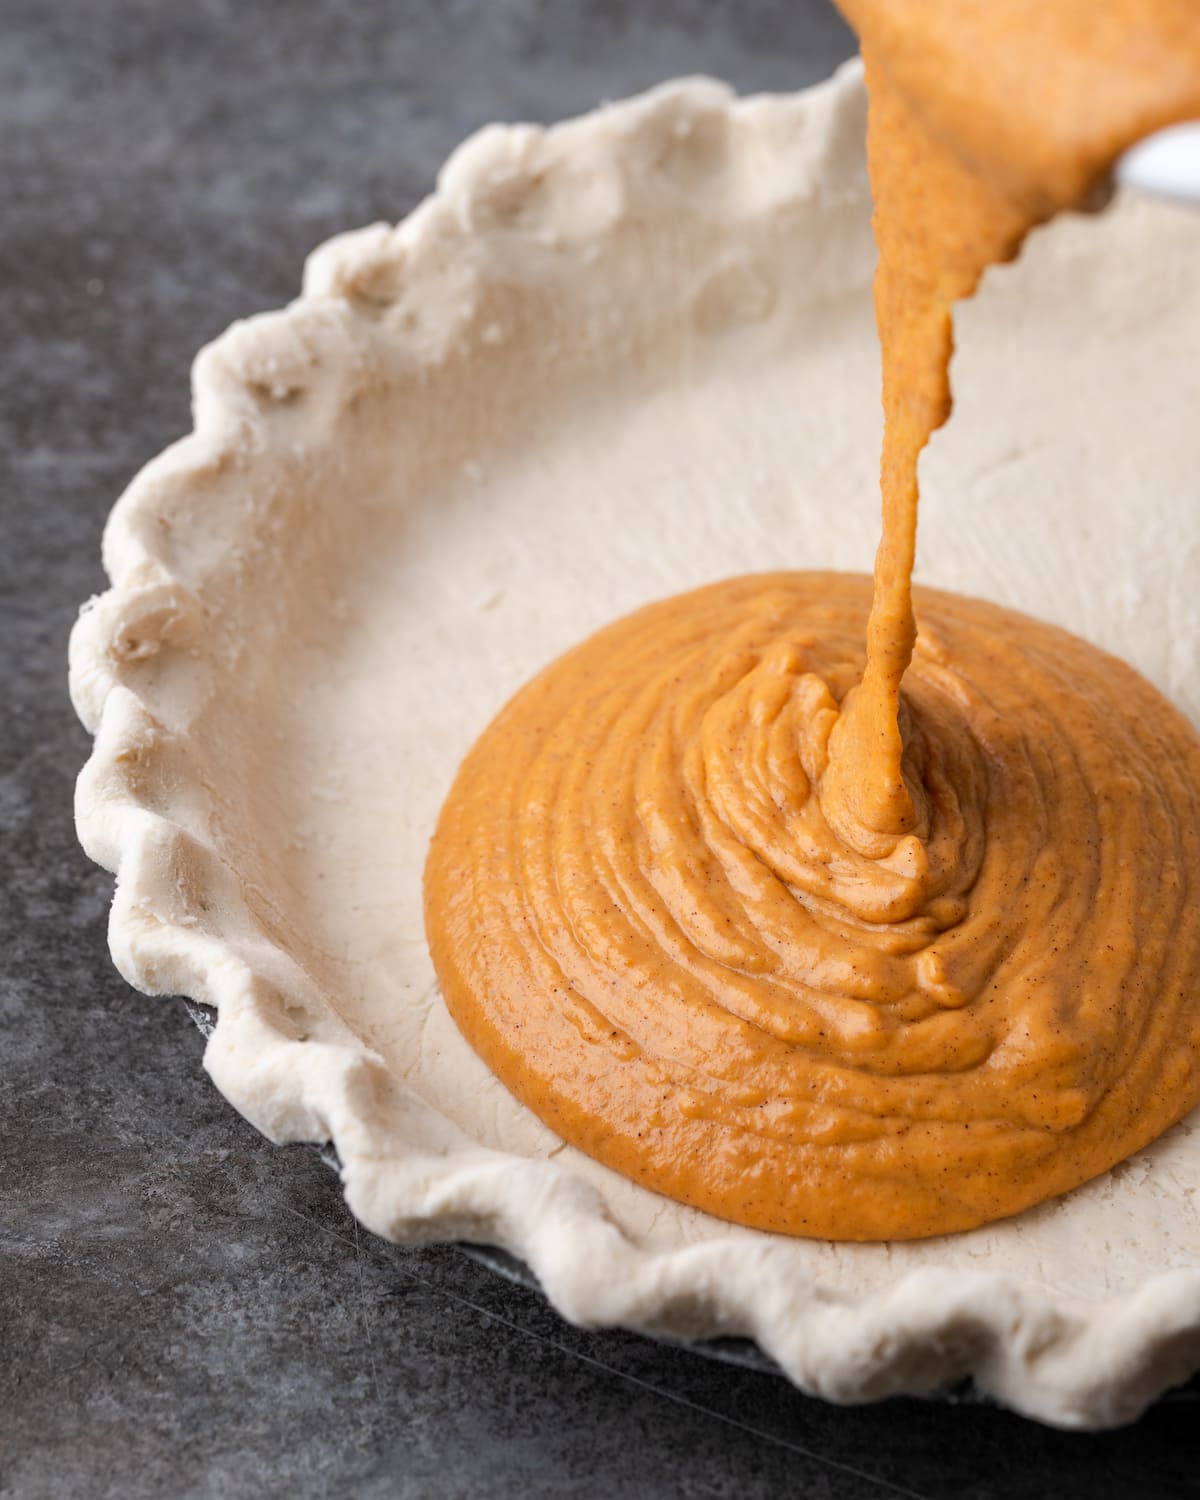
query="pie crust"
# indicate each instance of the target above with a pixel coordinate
(603, 363)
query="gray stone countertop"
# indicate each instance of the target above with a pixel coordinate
(185, 1310)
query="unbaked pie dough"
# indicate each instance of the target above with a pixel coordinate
(605, 363)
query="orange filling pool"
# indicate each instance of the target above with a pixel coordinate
(772, 914)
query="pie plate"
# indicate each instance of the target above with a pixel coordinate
(602, 363)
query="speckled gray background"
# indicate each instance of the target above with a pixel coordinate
(186, 1311)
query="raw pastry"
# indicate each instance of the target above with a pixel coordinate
(502, 377)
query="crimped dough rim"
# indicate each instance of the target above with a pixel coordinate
(1060, 1360)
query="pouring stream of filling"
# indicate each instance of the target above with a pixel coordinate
(876, 943)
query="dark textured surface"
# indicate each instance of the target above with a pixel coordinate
(184, 1309)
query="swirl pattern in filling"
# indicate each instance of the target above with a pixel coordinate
(649, 917)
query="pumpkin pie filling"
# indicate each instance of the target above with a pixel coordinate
(805, 916)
